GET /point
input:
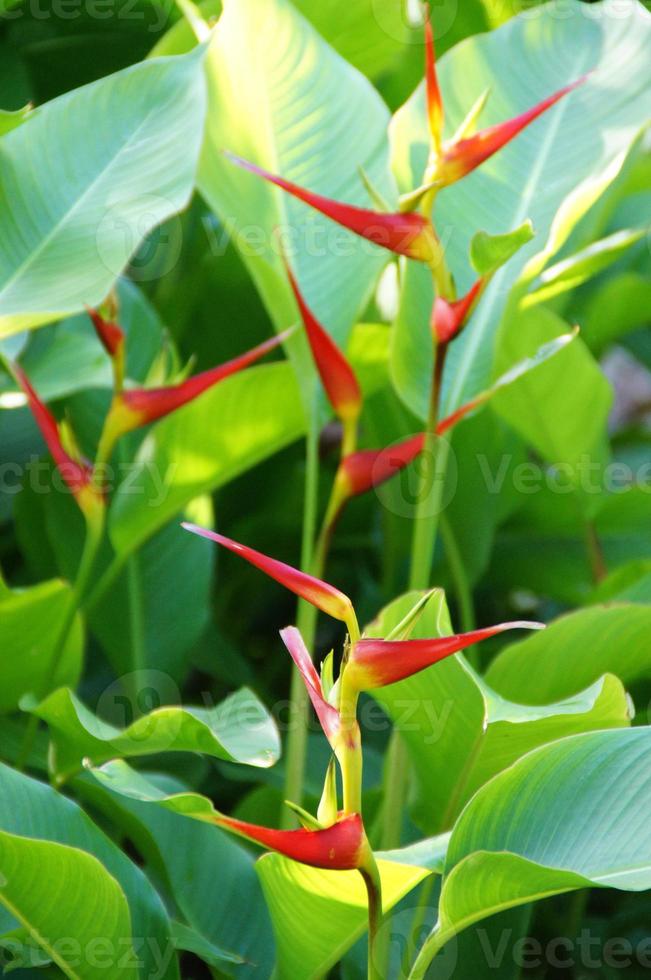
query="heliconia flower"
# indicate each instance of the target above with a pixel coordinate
(407, 234)
(369, 468)
(139, 406)
(326, 713)
(322, 595)
(450, 317)
(341, 847)
(432, 90)
(77, 474)
(375, 663)
(110, 333)
(337, 376)
(457, 159)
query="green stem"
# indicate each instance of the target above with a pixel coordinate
(94, 531)
(296, 750)
(595, 553)
(459, 576)
(371, 876)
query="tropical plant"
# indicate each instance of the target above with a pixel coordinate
(445, 427)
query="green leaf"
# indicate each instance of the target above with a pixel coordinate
(616, 307)
(239, 729)
(573, 271)
(573, 651)
(551, 173)
(59, 891)
(318, 915)
(11, 119)
(280, 96)
(68, 234)
(459, 732)
(119, 777)
(488, 253)
(226, 908)
(561, 409)
(30, 623)
(579, 808)
(191, 941)
(240, 422)
(28, 806)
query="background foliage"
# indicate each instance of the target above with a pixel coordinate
(117, 174)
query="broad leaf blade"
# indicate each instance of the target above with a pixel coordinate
(86, 177)
(239, 729)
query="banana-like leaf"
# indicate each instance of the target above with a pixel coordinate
(239, 729)
(460, 733)
(30, 623)
(80, 852)
(282, 98)
(57, 891)
(569, 815)
(573, 651)
(86, 176)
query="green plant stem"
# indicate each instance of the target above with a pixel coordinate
(296, 750)
(371, 876)
(459, 576)
(92, 541)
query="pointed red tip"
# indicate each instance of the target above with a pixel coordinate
(432, 90)
(337, 376)
(449, 318)
(110, 333)
(325, 597)
(341, 847)
(328, 715)
(459, 159)
(369, 468)
(408, 234)
(375, 663)
(143, 405)
(75, 474)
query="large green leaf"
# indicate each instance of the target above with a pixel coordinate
(58, 891)
(86, 177)
(239, 729)
(30, 623)
(573, 651)
(281, 96)
(568, 815)
(208, 873)
(561, 409)
(318, 915)
(459, 732)
(551, 173)
(31, 809)
(237, 424)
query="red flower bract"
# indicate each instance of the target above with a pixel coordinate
(341, 847)
(76, 474)
(407, 234)
(375, 663)
(327, 714)
(320, 594)
(139, 406)
(110, 333)
(369, 468)
(449, 318)
(337, 376)
(460, 158)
